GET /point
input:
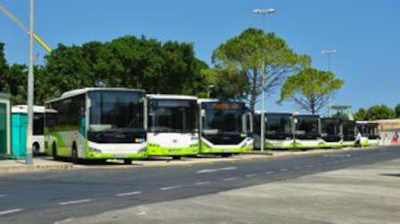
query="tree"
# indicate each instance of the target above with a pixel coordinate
(397, 110)
(250, 55)
(380, 112)
(3, 70)
(130, 62)
(311, 89)
(361, 115)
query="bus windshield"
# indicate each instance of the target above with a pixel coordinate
(167, 115)
(38, 124)
(223, 117)
(307, 126)
(278, 124)
(330, 127)
(116, 111)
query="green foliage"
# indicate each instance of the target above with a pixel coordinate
(379, 112)
(227, 83)
(361, 115)
(397, 110)
(249, 55)
(310, 89)
(3, 70)
(130, 62)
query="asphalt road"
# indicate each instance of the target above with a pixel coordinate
(49, 197)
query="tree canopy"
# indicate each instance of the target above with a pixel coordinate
(310, 89)
(361, 114)
(170, 68)
(397, 110)
(246, 57)
(377, 112)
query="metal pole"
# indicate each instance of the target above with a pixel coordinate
(262, 139)
(29, 159)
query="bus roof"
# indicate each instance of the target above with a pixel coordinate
(213, 100)
(171, 97)
(275, 113)
(23, 109)
(77, 92)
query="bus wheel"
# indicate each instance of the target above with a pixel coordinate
(55, 156)
(127, 161)
(36, 149)
(176, 157)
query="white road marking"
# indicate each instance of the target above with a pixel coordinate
(216, 170)
(206, 171)
(298, 168)
(75, 202)
(6, 212)
(309, 166)
(230, 179)
(202, 183)
(170, 187)
(229, 168)
(269, 172)
(251, 175)
(2, 195)
(69, 220)
(128, 194)
(283, 170)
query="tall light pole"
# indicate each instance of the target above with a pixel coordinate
(263, 12)
(329, 53)
(29, 159)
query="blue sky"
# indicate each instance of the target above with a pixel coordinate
(365, 32)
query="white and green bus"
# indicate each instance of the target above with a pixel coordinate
(172, 125)
(307, 134)
(332, 132)
(278, 130)
(225, 127)
(369, 132)
(97, 124)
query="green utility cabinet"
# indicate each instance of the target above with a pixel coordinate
(5, 135)
(18, 144)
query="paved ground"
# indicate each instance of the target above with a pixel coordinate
(40, 164)
(51, 196)
(363, 194)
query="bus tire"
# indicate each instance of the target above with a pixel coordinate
(127, 161)
(36, 149)
(176, 157)
(54, 152)
(226, 155)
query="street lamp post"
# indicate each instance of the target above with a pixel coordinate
(263, 12)
(29, 159)
(329, 53)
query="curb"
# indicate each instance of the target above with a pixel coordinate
(33, 168)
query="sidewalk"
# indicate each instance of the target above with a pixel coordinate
(39, 164)
(364, 194)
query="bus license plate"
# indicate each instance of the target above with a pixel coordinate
(174, 150)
